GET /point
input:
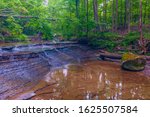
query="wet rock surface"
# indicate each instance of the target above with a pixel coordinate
(24, 67)
(19, 76)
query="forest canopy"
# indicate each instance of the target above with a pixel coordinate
(75, 19)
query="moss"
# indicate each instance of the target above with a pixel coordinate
(129, 56)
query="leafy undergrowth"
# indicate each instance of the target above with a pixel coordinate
(147, 35)
(130, 39)
(115, 42)
(104, 40)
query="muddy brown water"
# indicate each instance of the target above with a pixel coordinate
(96, 80)
(66, 74)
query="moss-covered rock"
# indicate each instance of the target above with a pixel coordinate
(133, 62)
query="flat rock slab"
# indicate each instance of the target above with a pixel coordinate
(19, 76)
(23, 69)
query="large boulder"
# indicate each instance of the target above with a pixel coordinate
(133, 62)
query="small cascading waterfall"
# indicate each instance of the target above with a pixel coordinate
(74, 54)
(44, 55)
(64, 54)
(55, 56)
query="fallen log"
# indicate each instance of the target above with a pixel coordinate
(104, 56)
(112, 60)
(116, 57)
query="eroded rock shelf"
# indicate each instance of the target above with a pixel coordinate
(24, 66)
(66, 71)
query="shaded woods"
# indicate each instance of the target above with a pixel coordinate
(111, 24)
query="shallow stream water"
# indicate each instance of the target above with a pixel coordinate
(96, 80)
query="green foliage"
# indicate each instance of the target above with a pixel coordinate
(131, 38)
(103, 40)
(69, 20)
(13, 27)
(147, 35)
(17, 29)
(108, 44)
(104, 35)
(69, 28)
(40, 26)
(12, 30)
(112, 36)
(2, 38)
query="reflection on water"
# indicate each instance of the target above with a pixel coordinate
(93, 80)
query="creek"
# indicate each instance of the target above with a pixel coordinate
(66, 71)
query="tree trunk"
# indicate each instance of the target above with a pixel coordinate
(105, 11)
(121, 17)
(96, 18)
(77, 8)
(141, 42)
(87, 18)
(128, 14)
(125, 16)
(116, 22)
(113, 15)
